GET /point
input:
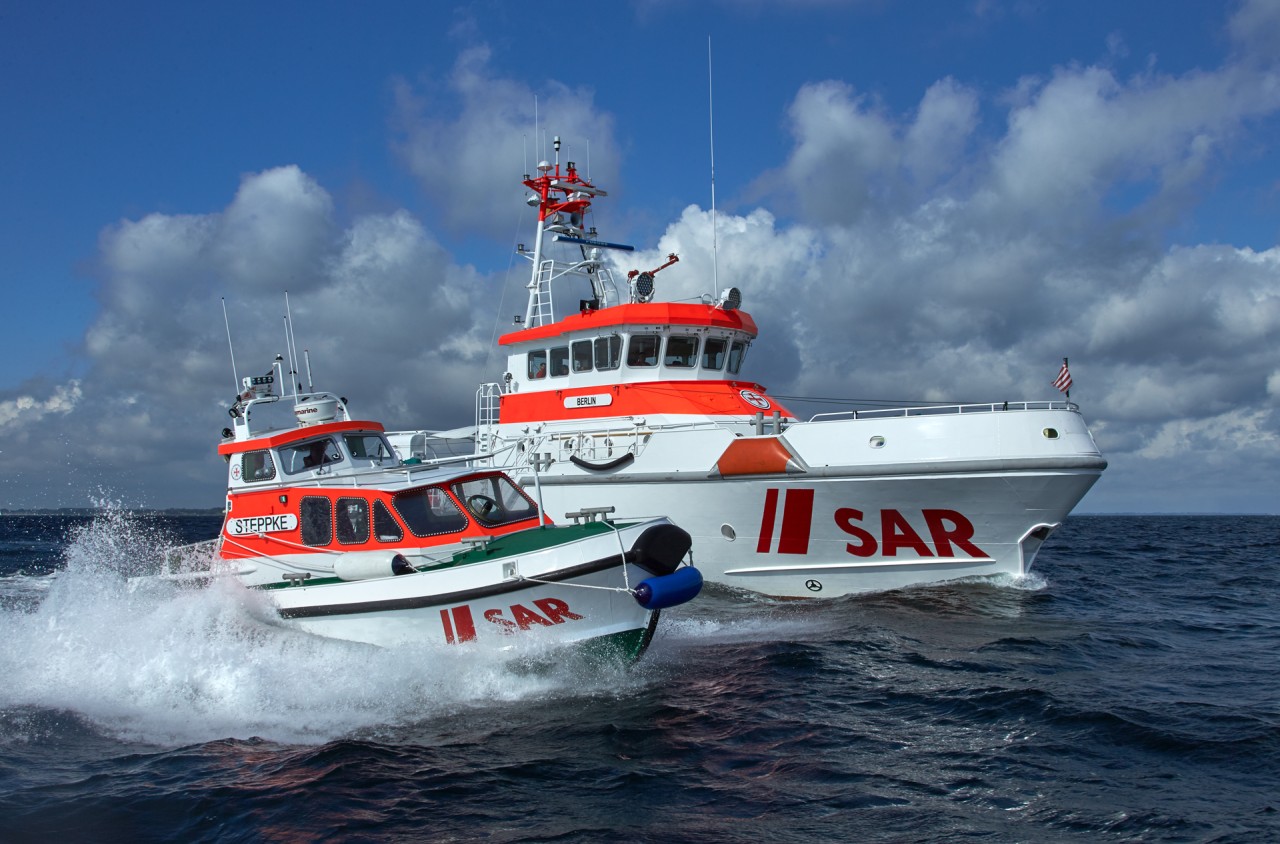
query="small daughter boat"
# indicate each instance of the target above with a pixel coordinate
(350, 542)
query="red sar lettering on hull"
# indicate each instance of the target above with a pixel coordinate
(949, 530)
(459, 624)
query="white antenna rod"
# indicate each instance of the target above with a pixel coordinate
(234, 374)
(291, 345)
(306, 354)
(715, 253)
(293, 383)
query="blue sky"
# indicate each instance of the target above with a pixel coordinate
(921, 200)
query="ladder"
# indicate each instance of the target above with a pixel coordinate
(542, 309)
(487, 401)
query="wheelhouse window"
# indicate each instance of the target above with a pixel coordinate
(642, 350)
(737, 352)
(316, 515)
(495, 500)
(560, 361)
(257, 466)
(581, 356)
(309, 455)
(608, 352)
(538, 364)
(352, 521)
(385, 526)
(369, 447)
(713, 353)
(429, 511)
(682, 351)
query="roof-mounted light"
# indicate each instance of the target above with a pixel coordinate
(642, 287)
(730, 300)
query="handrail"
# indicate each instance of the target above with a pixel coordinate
(948, 409)
(358, 476)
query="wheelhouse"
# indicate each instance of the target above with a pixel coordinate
(355, 518)
(305, 453)
(646, 343)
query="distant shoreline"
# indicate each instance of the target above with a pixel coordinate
(95, 511)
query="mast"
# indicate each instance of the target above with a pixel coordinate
(563, 198)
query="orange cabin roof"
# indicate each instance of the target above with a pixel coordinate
(650, 313)
(294, 434)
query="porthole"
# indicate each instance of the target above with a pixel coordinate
(728, 532)
(1050, 433)
(877, 442)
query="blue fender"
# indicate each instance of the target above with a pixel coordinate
(668, 590)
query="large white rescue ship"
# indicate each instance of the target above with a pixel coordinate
(644, 405)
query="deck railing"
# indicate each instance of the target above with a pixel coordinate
(947, 410)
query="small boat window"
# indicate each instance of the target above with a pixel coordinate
(737, 352)
(681, 351)
(353, 521)
(538, 364)
(316, 515)
(582, 356)
(429, 511)
(369, 447)
(257, 466)
(495, 500)
(713, 353)
(608, 352)
(643, 350)
(560, 361)
(309, 455)
(385, 526)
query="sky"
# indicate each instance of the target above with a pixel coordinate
(920, 201)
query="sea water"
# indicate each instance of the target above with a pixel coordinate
(1127, 690)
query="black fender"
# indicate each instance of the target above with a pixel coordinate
(661, 548)
(601, 467)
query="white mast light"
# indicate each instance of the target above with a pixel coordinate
(730, 300)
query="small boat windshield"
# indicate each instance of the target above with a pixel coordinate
(495, 500)
(309, 455)
(429, 511)
(369, 447)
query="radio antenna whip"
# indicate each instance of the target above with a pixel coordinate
(292, 346)
(715, 265)
(234, 374)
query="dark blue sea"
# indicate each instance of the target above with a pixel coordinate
(1127, 691)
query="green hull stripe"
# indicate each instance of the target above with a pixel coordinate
(511, 545)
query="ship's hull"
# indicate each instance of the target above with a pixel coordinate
(833, 508)
(528, 591)
(478, 607)
(838, 536)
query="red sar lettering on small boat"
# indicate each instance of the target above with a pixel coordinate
(459, 625)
